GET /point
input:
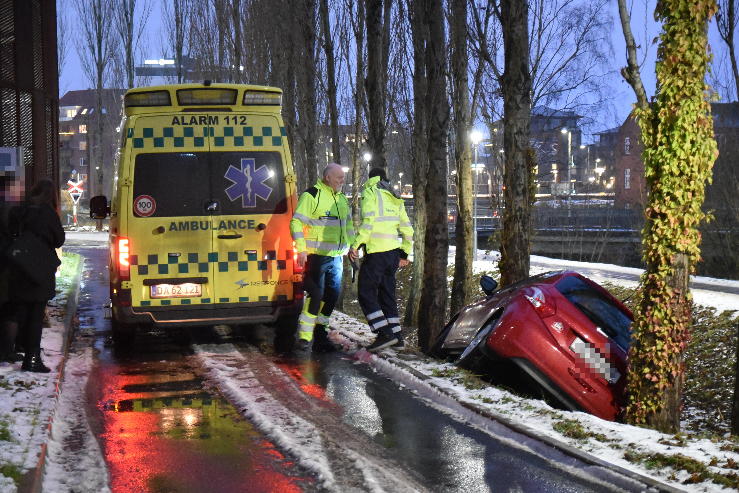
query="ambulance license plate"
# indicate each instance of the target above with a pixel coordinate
(186, 290)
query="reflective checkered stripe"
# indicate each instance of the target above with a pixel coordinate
(175, 137)
(322, 319)
(165, 266)
(376, 320)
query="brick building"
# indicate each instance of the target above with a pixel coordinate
(29, 86)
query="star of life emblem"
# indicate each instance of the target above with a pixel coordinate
(248, 183)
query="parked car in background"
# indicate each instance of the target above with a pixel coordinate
(558, 335)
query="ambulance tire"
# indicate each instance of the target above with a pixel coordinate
(123, 335)
(285, 329)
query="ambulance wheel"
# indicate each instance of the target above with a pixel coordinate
(285, 329)
(123, 334)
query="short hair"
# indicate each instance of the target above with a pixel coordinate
(381, 172)
(329, 167)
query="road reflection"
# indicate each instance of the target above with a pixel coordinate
(161, 432)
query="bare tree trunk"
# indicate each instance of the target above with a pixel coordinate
(726, 23)
(631, 72)
(419, 29)
(463, 238)
(237, 70)
(516, 86)
(375, 82)
(333, 112)
(307, 122)
(432, 317)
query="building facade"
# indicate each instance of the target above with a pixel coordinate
(29, 86)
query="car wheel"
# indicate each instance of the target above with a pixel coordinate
(285, 329)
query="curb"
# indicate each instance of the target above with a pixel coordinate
(69, 313)
(524, 430)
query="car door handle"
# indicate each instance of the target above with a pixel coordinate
(233, 236)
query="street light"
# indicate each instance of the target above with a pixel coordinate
(476, 138)
(400, 182)
(569, 157)
(587, 161)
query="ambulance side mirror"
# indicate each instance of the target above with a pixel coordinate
(99, 208)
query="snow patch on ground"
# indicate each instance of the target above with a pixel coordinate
(74, 460)
(291, 433)
(606, 440)
(27, 401)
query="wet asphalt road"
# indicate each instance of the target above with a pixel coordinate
(162, 428)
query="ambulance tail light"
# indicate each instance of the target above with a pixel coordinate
(297, 269)
(124, 263)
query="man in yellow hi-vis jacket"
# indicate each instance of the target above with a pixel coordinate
(387, 236)
(323, 230)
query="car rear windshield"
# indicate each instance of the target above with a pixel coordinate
(185, 183)
(601, 310)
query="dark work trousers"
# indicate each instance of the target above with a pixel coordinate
(30, 317)
(376, 291)
(322, 282)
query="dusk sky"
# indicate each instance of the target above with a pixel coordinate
(72, 77)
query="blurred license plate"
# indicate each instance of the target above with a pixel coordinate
(187, 290)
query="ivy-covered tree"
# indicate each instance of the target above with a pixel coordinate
(679, 151)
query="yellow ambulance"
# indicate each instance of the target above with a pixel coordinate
(204, 190)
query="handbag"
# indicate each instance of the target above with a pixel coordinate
(32, 257)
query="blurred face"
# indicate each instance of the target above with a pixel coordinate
(334, 178)
(12, 189)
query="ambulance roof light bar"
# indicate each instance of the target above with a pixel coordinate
(262, 98)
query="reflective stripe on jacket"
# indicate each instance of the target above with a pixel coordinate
(322, 223)
(385, 224)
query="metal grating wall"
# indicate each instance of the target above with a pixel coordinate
(29, 99)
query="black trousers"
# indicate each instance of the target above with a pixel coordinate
(377, 291)
(30, 317)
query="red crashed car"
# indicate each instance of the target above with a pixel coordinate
(557, 335)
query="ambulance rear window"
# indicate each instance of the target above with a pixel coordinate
(184, 184)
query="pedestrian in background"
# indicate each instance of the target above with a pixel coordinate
(323, 230)
(11, 195)
(387, 236)
(39, 216)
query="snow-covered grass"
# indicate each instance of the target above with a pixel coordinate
(27, 399)
(685, 461)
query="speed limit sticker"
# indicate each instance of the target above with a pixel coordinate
(144, 205)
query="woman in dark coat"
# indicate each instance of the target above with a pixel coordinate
(39, 216)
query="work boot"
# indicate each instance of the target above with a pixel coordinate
(321, 342)
(382, 341)
(11, 357)
(32, 362)
(303, 345)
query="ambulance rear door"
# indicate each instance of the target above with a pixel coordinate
(169, 226)
(251, 234)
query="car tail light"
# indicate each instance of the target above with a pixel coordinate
(595, 360)
(124, 264)
(544, 307)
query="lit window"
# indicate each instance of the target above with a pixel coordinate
(71, 113)
(84, 111)
(83, 129)
(627, 178)
(83, 145)
(627, 145)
